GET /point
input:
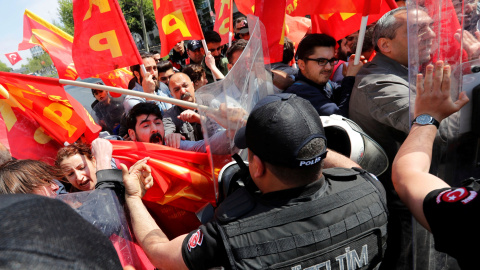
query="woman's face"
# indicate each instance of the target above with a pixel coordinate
(80, 172)
(203, 81)
(49, 190)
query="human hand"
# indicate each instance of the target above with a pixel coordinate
(210, 60)
(148, 84)
(471, 43)
(189, 116)
(102, 151)
(433, 93)
(351, 69)
(173, 140)
(228, 117)
(138, 179)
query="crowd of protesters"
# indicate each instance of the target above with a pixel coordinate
(276, 218)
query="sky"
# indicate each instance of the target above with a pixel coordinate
(11, 27)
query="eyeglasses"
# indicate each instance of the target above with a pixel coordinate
(324, 61)
(217, 49)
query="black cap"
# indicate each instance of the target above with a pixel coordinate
(243, 29)
(37, 232)
(194, 45)
(278, 127)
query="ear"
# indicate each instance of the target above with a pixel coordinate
(301, 64)
(131, 134)
(258, 167)
(384, 45)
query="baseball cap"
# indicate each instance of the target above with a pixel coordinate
(194, 45)
(278, 127)
(243, 29)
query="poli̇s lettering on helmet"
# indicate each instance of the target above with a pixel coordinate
(346, 137)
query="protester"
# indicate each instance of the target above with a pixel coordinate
(108, 110)
(285, 200)
(29, 177)
(450, 213)
(86, 168)
(147, 83)
(156, 56)
(243, 32)
(214, 46)
(179, 121)
(316, 59)
(195, 52)
(380, 106)
(178, 56)
(197, 74)
(239, 23)
(288, 54)
(165, 71)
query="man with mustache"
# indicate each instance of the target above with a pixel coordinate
(182, 123)
(316, 59)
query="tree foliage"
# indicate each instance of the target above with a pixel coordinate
(130, 9)
(4, 67)
(36, 64)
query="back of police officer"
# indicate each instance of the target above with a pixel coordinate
(291, 215)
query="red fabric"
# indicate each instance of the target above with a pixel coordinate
(54, 41)
(13, 57)
(272, 14)
(245, 6)
(296, 28)
(339, 25)
(102, 40)
(43, 99)
(116, 78)
(177, 20)
(308, 7)
(223, 20)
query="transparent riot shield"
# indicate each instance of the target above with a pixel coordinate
(444, 30)
(230, 100)
(102, 209)
(108, 113)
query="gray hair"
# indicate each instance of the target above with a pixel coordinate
(387, 26)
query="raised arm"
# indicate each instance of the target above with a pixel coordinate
(411, 165)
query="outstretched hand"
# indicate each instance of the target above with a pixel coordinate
(102, 151)
(471, 43)
(138, 179)
(433, 93)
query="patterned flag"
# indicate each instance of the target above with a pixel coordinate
(44, 100)
(102, 39)
(177, 20)
(224, 20)
(57, 43)
(13, 57)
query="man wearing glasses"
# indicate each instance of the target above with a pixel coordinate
(316, 59)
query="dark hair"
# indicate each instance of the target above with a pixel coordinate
(288, 50)
(301, 175)
(71, 150)
(387, 26)
(146, 55)
(137, 67)
(139, 109)
(367, 42)
(236, 47)
(93, 90)
(310, 42)
(237, 20)
(164, 66)
(195, 72)
(212, 37)
(154, 52)
(26, 175)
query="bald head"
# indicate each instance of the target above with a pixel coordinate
(181, 87)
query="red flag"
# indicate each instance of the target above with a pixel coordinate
(116, 78)
(307, 7)
(102, 40)
(223, 21)
(296, 28)
(13, 57)
(177, 20)
(272, 14)
(339, 25)
(44, 100)
(57, 43)
(245, 6)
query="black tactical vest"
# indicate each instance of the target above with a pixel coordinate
(345, 228)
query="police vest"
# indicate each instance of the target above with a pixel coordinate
(345, 228)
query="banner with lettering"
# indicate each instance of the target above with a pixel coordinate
(102, 40)
(58, 44)
(177, 20)
(43, 99)
(223, 20)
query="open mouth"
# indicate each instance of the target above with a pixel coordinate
(85, 184)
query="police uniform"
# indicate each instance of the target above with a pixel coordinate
(336, 222)
(452, 214)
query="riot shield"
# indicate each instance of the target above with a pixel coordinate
(444, 30)
(230, 100)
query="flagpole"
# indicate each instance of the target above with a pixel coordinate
(205, 48)
(178, 102)
(361, 37)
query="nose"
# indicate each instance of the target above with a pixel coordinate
(54, 186)
(78, 175)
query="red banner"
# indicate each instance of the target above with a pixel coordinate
(102, 40)
(13, 57)
(54, 41)
(272, 14)
(43, 99)
(245, 6)
(224, 20)
(116, 78)
(177, 20)
(296, 28)
(339, 25)
(307, 7)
